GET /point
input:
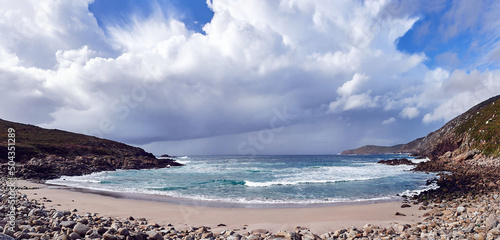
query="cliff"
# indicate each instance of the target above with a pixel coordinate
(48, 153)
(467, 146)
(478, 130)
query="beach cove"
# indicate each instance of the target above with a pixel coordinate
(55, 213)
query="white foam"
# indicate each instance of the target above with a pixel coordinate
(257, 201)
(294, 176)
(420, 160)
(271, 183)
(411, 193)
(183, 161)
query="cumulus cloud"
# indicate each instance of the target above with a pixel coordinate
(409, 112)
(460, 92)
(34, 31)
(154, 80)
(352, 86)
(389, 121)
(349, 96)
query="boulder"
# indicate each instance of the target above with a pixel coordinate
(109, 236)
(75, 236)
(153, 235)
(68, 224)
(123, 231)
(81, 229)
(393, 162)
(6, 237)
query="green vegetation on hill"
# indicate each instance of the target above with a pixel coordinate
(483, 129)
(33, 141)
(478, 130)
(48, 153)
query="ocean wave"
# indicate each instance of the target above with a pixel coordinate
(167, 188)
(411, 193)
(256, 201)
(78, 180)
(90, 178)
(297, 182)
(420, 160)
(183, 161)
(235, 200)
(223, 182)
(254, 182)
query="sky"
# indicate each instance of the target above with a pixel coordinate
(191, 77)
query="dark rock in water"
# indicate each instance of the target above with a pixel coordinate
(401, 161)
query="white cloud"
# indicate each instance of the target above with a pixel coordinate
(389, 121)
(349, 98)
(34, 31)
(409, 112)
(352, 86)
(359, 101)
(460, 92)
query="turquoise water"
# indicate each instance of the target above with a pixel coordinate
(264, 180)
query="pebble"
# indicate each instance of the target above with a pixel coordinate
(81, 229)
(68, 224)
(6, 237)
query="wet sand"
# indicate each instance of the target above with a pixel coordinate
(317, 219)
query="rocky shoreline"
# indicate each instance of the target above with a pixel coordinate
(472, 216)
(466, 206)
(462, 174)
(53, 166)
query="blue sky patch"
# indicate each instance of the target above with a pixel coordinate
(194, 13)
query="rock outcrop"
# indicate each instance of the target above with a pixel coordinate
(46, 154)
(393, 162)
(468, 146)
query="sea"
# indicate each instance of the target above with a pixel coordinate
(263, 181)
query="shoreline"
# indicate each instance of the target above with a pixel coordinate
(316, 218)
(216, 203)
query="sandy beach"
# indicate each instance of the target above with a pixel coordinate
(317, 219)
